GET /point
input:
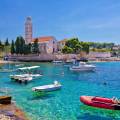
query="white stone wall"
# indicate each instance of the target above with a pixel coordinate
(48, 47)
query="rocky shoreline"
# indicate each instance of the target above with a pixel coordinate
(11, 112)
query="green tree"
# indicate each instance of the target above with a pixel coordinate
(7, 42)
(12, 47)
(22, 44)
(78, 48)
(19, 45)
(74, 44)
(35, 47)
(67, 50)
(27, 48)
(1, 43)
(85, 46)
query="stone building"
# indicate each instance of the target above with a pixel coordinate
(47, 44)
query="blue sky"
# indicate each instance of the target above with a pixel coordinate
(89, 20)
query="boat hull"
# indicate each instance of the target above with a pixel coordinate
(82, 68)
(5, 99)
(100, 102)
(46, 88)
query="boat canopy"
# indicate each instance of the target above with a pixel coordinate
(28, 68)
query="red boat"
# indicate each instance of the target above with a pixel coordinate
(101, 102)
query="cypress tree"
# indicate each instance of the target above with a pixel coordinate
(7, 42)
(17, 45)
(12, 47)
(29, 48)
(0, 43)
(20, 45)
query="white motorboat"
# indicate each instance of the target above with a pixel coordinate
(57, 61)
(48, 88)
(18, 65)
(26, 73)
(83, 67)
(24, 79)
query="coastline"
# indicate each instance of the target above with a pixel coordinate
(89, 60)
(11, 112)
(3, 62)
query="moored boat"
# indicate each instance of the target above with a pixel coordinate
(24, 79)
(5, 99)
(26, 73)
(101, 102)
(82, 67)
(48, 88)
(57, 61)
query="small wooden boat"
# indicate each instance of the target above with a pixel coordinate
(101, 102)
(48, 88)
(5, 99)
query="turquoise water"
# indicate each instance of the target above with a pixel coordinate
(64, 104)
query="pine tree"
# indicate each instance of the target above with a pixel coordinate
(12, 47)
(17, 45)
(29, 48)
(7, 42)
(0, 43)
(20, 45)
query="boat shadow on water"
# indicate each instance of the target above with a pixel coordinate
(41, 95)
(92, 113)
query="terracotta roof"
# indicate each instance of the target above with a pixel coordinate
(44, 39)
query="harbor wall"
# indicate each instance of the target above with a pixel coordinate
(44, 57)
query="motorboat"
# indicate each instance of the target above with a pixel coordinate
(18, 65)
(101, 102)
(47, 88)
(24, 79)
(57, 61)
(82, 67)
(26, 72)
(24, 75)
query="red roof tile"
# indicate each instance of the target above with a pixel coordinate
(44, 39)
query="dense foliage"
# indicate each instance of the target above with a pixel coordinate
(73, 45)
(12, 47)
(98, 45)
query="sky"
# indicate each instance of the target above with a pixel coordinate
(89, 20)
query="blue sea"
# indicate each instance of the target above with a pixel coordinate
(65, 103)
